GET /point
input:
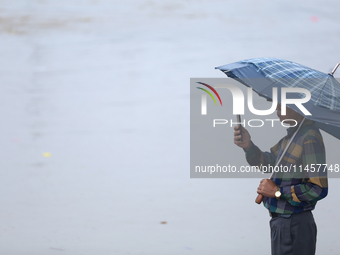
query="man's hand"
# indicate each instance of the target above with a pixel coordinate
(245, 144)
(267, 188)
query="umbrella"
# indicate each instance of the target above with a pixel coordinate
(261, 74)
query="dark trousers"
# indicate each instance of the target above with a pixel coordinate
(295, 235)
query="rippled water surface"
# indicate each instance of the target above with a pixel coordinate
(94, 102)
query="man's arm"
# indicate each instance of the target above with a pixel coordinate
(254, 156)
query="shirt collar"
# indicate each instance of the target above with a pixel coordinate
(291, 130)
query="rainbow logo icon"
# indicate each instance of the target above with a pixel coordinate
(213, 90)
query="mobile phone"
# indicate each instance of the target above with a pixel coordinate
(239, 121)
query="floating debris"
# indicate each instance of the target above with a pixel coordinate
(47, 154)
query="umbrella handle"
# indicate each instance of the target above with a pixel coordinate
(258, 199)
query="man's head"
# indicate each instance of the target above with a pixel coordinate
(290, 114)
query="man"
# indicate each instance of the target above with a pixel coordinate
(292, 194)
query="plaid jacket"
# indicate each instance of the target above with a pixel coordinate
(302, 184)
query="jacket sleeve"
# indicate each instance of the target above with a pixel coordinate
(315, 184)
(256, 157)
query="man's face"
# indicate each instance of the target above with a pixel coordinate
(290, 114)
